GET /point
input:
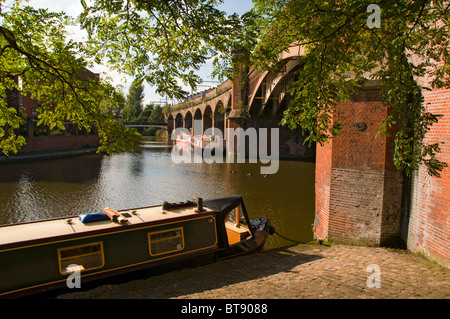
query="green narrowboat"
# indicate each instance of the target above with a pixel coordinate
(41, 255)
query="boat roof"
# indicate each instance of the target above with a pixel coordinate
(45, 229)
(223, 205)
(29, 231)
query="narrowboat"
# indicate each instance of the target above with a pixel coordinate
(183, 140)
(201, 142)
(39, 256)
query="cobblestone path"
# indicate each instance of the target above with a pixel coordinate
(302, 271)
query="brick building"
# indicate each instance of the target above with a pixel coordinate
(42, 139)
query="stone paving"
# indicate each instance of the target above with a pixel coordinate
(295, 272)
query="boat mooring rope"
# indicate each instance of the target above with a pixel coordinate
(298, 241)
(295, 241)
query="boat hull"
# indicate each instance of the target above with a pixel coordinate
(121, 251)
(201, 142)
(176, 241)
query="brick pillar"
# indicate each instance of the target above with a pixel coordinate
(239, 93)
(429, 225)
(358, 189)
(239, 85)
(170, 125)
(322, 188)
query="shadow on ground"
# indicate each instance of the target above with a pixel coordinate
(195, 280)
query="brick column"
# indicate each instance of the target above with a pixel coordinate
(358, 189)
(239, 94)
(429, 225)
(239, 85)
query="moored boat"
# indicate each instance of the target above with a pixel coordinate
(41, 255)
(183, 140)
(201, 142)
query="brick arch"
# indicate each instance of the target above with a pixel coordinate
(200, 101)
(207, 118)
(219, 107)
(178, 121)
(222, 100)
(198, 116)
(273, 85)
(188, 120)
(257, 76)
(219, 119)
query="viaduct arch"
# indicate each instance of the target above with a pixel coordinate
(210, 108)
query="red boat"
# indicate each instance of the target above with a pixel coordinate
(201, 141)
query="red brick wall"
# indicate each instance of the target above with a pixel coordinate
(28, 105)
(239, 85)
(322, 188)
(239, 91)
(357, 190)
(429, 225)
(429, 221)
(59, 142)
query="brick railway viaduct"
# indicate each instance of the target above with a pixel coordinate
(360, 197)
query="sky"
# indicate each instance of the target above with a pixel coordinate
(74, 8)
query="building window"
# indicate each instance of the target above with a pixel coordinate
(81, 257)
(166, 241)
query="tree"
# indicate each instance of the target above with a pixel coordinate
(345, 48)
(34, 48)
(164, 42)
(146, 112)
(134, 102)
(157, 115)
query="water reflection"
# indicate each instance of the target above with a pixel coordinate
(69, 170)
(63, 187)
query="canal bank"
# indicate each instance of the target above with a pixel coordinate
(46, 155)
(306, 271)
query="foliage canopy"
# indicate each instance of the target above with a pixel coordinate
(343, 51)
(162, 42)
(37, 58)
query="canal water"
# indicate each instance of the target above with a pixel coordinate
(70, 186)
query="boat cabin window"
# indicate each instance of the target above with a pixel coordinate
(166, 241)
(81, 257)
(236, 226)
(237, 217)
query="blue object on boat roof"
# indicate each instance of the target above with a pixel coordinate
(93, 217)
